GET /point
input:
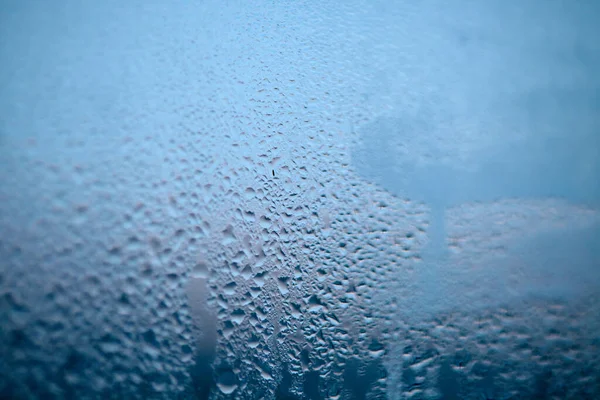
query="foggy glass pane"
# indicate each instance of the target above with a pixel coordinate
(299, 200)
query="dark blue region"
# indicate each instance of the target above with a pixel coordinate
(358, 381)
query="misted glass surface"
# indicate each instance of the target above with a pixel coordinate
(300, 200)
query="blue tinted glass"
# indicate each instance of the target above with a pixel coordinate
(208, 199)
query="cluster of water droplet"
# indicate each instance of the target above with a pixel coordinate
(186, 220)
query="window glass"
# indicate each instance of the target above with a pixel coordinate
(299, 200)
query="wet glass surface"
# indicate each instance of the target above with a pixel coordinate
(316, 200)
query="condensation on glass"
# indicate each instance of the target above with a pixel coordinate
(318, 200)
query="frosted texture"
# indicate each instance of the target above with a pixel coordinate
(299, 200)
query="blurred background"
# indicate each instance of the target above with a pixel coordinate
(299, 200)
